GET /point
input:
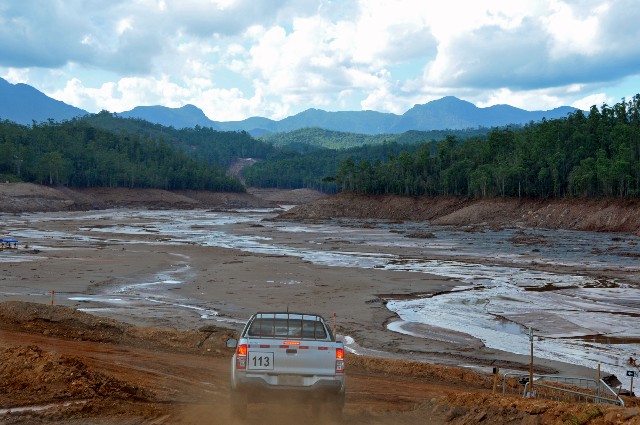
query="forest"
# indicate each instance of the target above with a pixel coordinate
(583, 155)
(594, 154)
(340, 140)
(79, 153)
(304, 166)
(310, 157)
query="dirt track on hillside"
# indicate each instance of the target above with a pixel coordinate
(99, 371)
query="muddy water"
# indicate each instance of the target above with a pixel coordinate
(578, 290)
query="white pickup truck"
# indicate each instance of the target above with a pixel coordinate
(294, 355)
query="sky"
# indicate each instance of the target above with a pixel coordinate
(236, 59)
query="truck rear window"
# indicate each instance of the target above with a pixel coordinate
(287, 328)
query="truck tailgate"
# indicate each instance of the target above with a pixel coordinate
(273, 356)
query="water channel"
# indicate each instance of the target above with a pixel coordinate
(577, 290)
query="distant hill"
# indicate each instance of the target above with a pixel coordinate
(320, 137)
(24, 104)
(364, 122)
(305, 138)
(448, 113)
(453, 113)
(187, 116)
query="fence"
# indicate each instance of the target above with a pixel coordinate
(561, 388)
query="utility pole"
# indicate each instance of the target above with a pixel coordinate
(531, 391)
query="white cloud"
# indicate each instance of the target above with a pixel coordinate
(123, 95)
(539, 100)
(572, 34)
(597, 99)
(124, 25)
(15, 76)
(278, 57)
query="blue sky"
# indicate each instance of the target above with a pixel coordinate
(274, 58)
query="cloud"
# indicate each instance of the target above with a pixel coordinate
(597, 99)
(120, 35)
(319, 61)
(278, 57)
(117, 97)
(568, 44)
(218, 104)
(204, 19)
(40, 34)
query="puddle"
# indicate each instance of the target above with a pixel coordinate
(40, 408)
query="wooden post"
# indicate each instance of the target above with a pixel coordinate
(631, 389)
(52, 293)
(599, 377)
(496, 371)
(531, 391)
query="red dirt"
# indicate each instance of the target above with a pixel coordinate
(100, 371)
(606, 215)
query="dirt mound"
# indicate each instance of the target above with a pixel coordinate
(27, 197)
(460, 409)
(19, 197)
(453, 376)
(31, 376)
(608, 215)
(67, 323)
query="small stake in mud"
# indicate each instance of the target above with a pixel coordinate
(334, 325)
(52, 293)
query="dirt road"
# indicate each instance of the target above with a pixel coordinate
(62, 366)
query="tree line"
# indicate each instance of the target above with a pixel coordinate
(303, 166)
(77, 153)
(331, 139)
(583, 155)
(212, 146)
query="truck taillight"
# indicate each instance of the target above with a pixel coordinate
(339, 360)
(241, 357)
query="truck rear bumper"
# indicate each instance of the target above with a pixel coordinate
(322, 388)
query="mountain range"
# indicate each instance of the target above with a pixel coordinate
(25, 104)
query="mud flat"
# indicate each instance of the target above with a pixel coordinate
(187, 269)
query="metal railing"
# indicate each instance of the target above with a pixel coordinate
(561, 388)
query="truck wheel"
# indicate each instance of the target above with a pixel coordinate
(238, 405)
